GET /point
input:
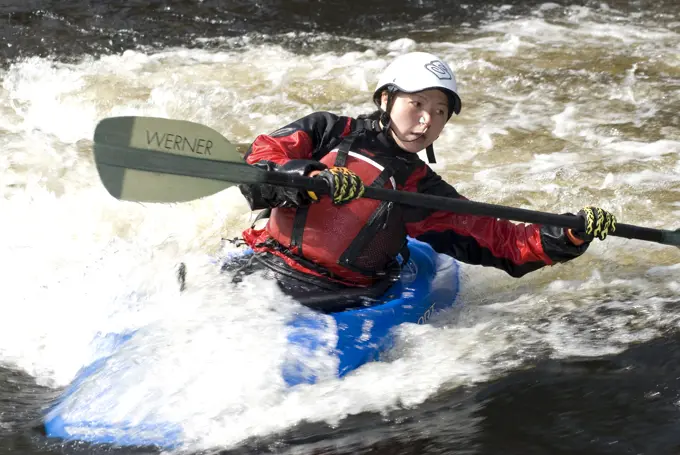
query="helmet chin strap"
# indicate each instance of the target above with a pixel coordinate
(385, 119)
(429, 150)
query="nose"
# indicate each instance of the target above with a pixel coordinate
(425, 120)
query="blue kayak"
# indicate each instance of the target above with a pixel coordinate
(429, 282)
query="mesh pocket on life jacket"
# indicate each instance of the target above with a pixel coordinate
(378, 244)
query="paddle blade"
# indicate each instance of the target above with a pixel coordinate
(129, 172)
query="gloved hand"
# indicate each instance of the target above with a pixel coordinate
(344, 184)
(598, 224)
(263, 195)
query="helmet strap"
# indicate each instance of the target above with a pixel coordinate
(385, 118)
(385, 122)
(430, 154)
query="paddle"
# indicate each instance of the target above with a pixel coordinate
(150, 159)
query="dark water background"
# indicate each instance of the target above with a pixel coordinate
(71, 28)
(623, 404)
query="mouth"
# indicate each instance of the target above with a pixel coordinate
(419, 135)
(421, 131)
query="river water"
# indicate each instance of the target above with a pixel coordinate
(564, 104)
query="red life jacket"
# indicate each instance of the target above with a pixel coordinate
(353, 243)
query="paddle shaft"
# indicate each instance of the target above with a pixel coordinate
(476, 208)
(239, 172)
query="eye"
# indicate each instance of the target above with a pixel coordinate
(415, 103)
(441, 112)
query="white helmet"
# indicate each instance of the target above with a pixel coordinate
(417, 71)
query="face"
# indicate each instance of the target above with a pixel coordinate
(417, 118)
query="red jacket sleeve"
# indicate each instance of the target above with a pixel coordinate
(308, 138)
(280, 150)
(516, 248)
(295, 148)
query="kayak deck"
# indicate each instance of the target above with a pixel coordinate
(429, 283)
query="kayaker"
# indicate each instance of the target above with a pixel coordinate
(343, 243)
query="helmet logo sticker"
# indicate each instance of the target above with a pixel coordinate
(438, 68)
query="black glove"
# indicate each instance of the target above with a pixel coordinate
(344, 184)
(598, 224)
(263, 195)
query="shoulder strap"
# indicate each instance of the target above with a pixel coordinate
(369, 125)
(343, 150)
(360, 126)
